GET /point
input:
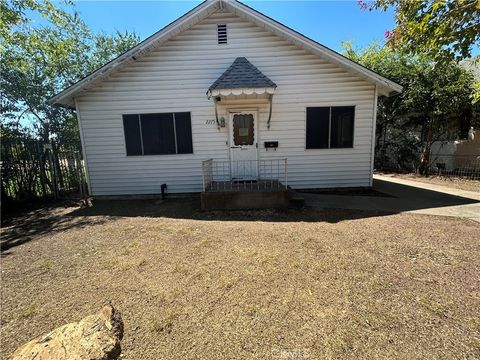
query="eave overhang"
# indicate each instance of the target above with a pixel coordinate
(66, 97)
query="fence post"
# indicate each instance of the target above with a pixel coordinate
(58, 168)
(83, 182)
(54, 173)
(42, 168)
(79, 173)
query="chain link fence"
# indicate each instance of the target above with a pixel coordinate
(463, 166)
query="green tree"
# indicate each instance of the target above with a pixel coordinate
(435, 104)
(443, 30)
(38, 60)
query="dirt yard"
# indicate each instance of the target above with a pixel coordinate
(247, 285)
(453, 182)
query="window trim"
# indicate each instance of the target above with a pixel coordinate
(175, 133)
(141, 136)
(330, 126)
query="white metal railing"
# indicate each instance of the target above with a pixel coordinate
(244, 175)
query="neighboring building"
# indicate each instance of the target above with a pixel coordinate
(457, 156)
(227, 83)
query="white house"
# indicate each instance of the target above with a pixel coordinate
(227, 83)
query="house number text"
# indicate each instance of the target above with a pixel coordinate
(209, 122)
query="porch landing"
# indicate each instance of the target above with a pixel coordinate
(245, 185)
(231, 195)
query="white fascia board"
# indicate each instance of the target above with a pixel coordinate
(261, 20)
(191, 18)
(196, 15)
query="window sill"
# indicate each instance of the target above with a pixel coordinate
(322, 149)
(151, 155)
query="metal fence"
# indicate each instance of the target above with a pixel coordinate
(245, 175)
(464, 166)
(32, 170)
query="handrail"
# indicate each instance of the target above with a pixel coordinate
(207, 174)
(244, 175)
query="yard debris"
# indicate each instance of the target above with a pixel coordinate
(94, 337)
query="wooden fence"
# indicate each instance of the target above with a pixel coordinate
(32, 170)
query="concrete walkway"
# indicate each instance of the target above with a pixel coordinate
(405, 196)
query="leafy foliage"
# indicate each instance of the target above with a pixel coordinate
(435, 104)
(40, 59)
(444, 30)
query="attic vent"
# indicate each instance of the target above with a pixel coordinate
(222, 33)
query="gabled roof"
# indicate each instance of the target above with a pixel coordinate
(242, 74)
(193, 17)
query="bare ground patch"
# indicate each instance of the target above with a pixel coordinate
(261, 284)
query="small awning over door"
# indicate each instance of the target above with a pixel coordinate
(241, 78)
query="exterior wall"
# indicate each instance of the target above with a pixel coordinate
(456, 153)
(175, 78)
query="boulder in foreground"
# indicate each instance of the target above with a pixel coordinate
(96, 337)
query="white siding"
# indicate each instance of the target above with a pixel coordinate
(176, 76)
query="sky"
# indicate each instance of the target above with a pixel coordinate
(328, 22)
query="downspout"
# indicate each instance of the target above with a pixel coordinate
(216, 113)
(270, 98)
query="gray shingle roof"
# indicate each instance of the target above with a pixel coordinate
(242, 74)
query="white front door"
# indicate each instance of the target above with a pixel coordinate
(243, 145)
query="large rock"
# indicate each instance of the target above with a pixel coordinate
(92, 338)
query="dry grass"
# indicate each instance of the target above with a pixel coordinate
(453, 182)
(240, 285)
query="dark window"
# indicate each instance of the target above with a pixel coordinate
(342, 127)
(222, 33)
(243, 129)
(330, 127)
(317, 127)
(133, 141)
(157, 134)
(183, 129)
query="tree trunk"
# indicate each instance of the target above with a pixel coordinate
(427, 147)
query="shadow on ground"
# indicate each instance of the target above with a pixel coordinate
(39, 221)
(320, 208)
(414, 198)
(400, 198)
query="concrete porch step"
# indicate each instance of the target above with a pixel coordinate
(296, 199)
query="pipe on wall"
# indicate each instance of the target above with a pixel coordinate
(270, 98)
(216, 113)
